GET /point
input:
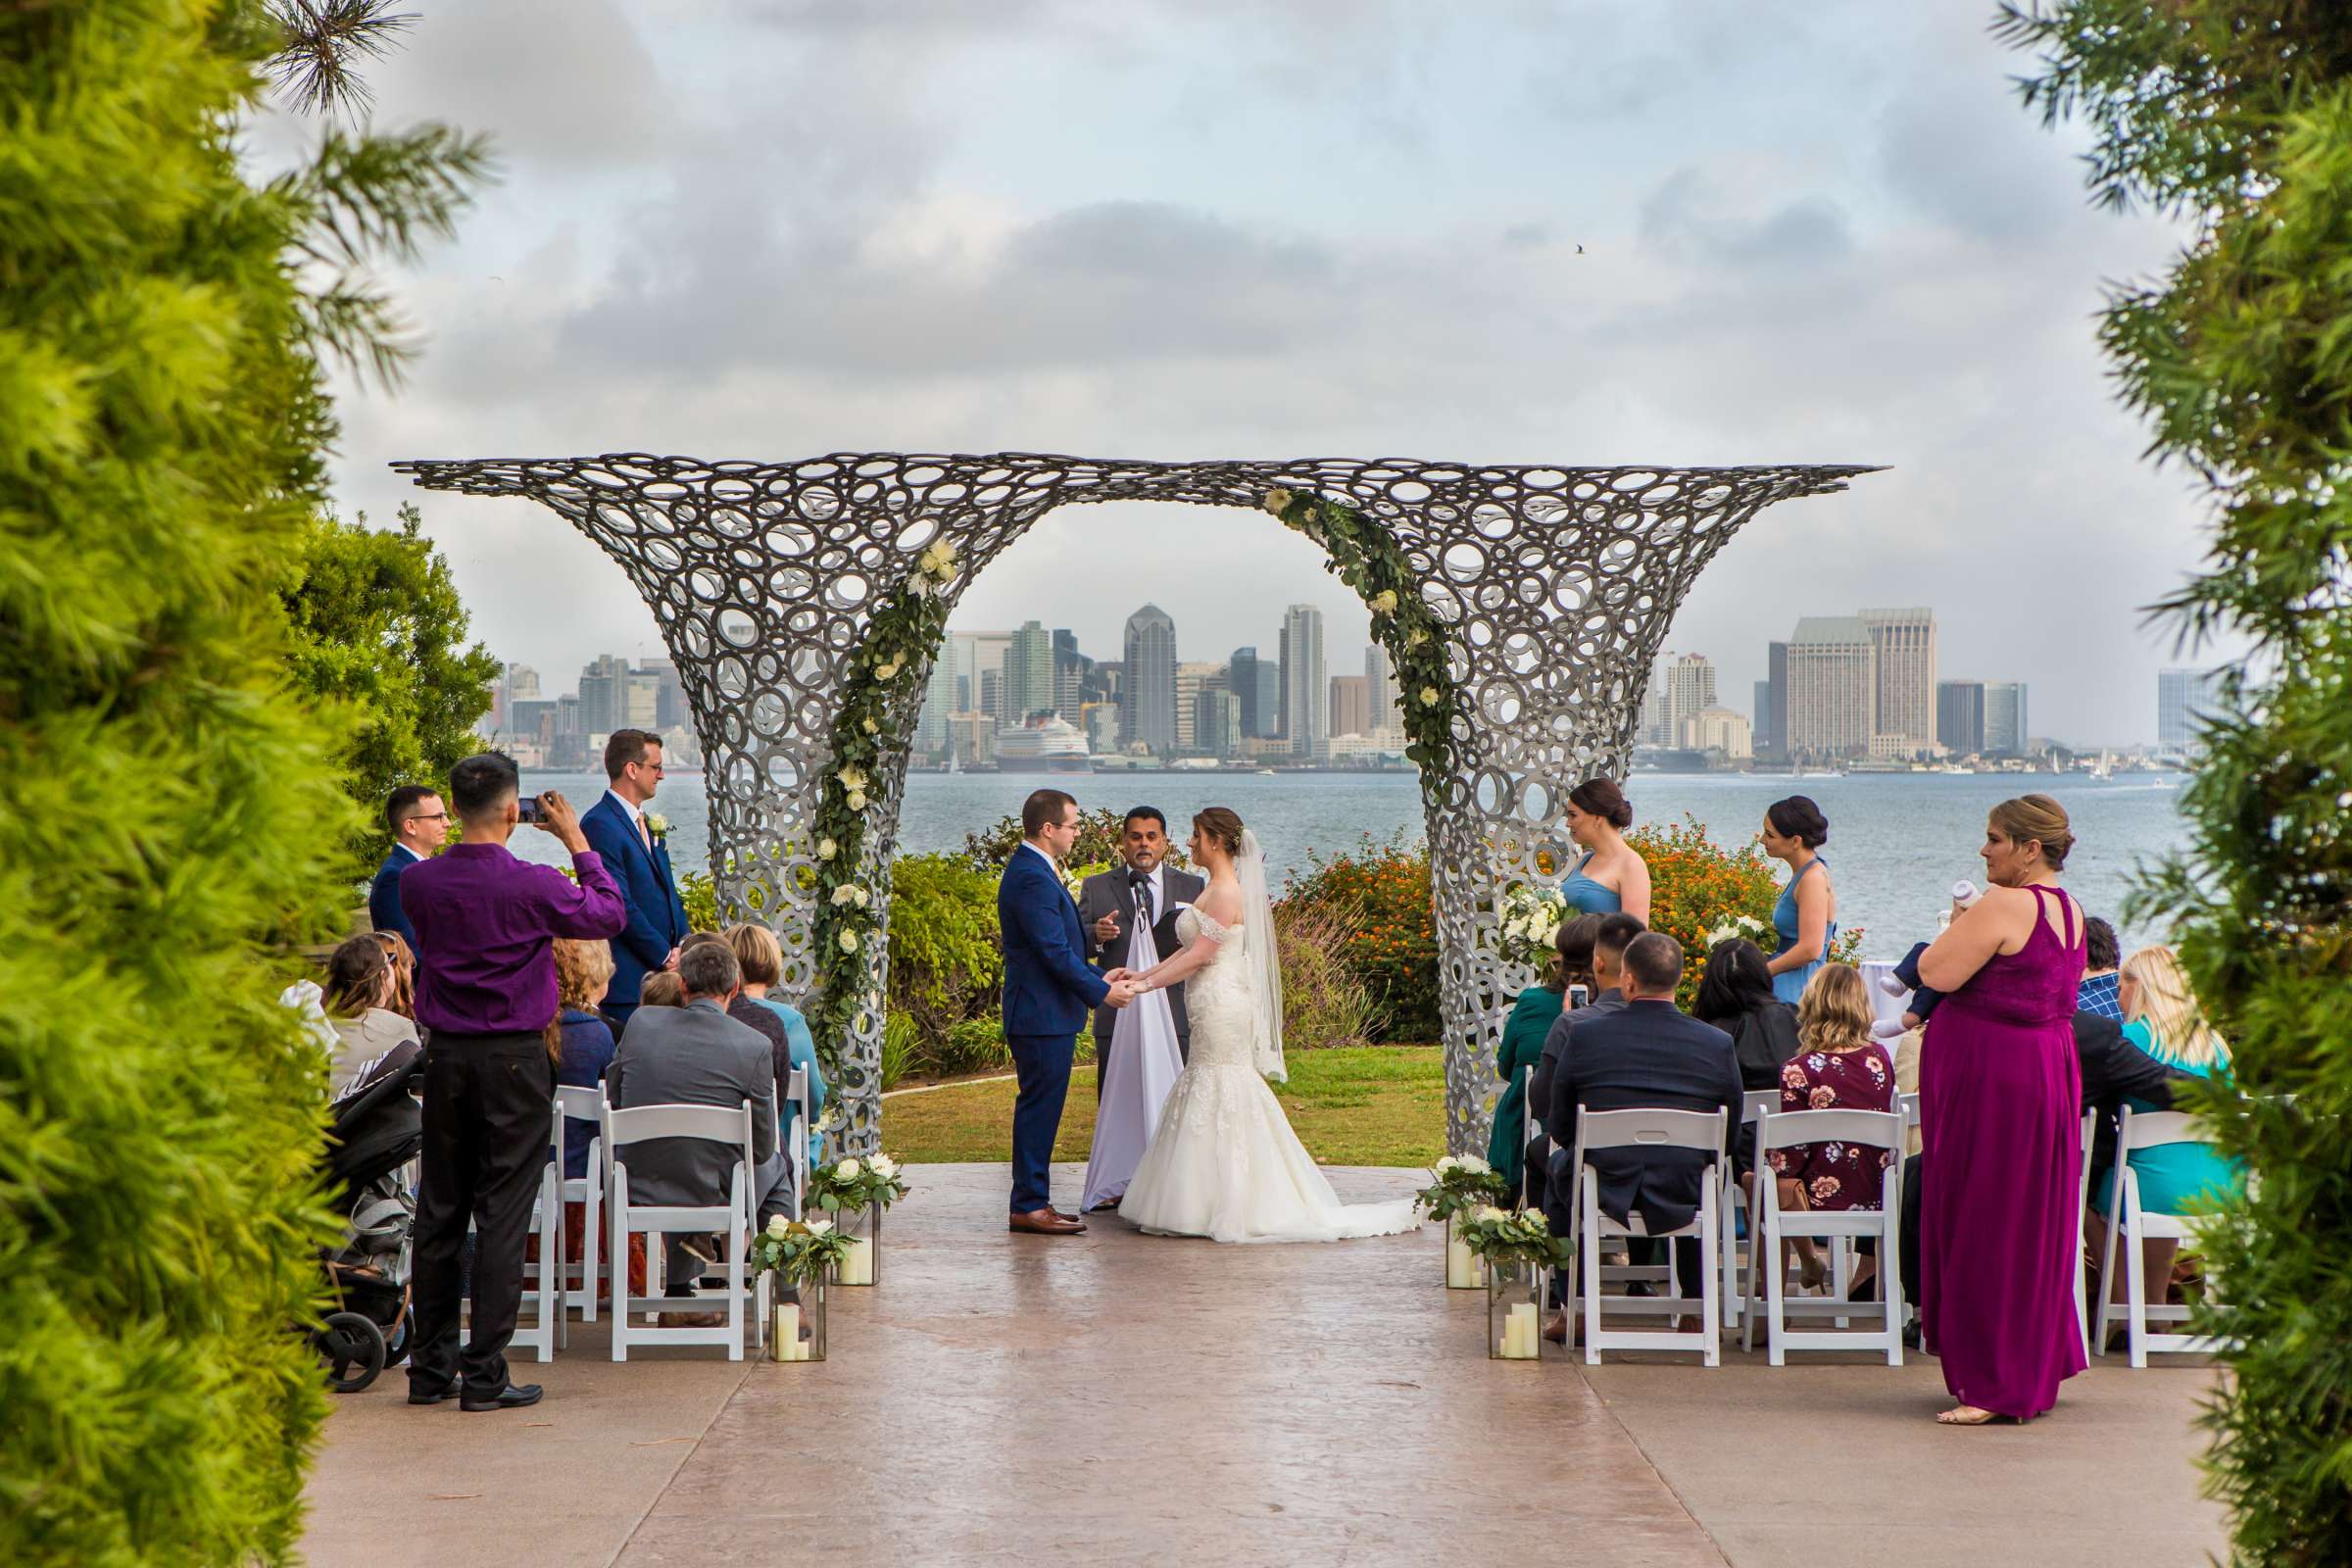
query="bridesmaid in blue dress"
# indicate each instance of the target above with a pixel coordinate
(1806, 917)
(1612, 876)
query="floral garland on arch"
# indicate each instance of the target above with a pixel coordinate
(1366, 557)
(881, 685)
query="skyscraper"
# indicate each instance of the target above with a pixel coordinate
(1381, 693)
(1216, 722)
(1776, 663)
(2005, 721)
(1148, 704)
(1680, 686)
(1833, 687)
(602, 700)
(1905, 644)
(1307, 693)
(1762, 718)
(641, 699)
(671, 708)
(1028, 673)
(1960, 716)
(1192, 677)
(1074, 682)
(939, 702)
(1350, 704)
(2183, 696)
(1256, 685)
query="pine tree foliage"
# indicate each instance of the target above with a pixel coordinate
(2237, 117)
(378, 626)
(162, 795)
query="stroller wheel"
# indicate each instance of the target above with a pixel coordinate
(353, 1348)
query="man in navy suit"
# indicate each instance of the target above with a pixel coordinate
(417, 822)
(1049, 991)
(638, 857)
(1650, 1054)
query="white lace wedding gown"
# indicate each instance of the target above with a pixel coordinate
(1223, 1162)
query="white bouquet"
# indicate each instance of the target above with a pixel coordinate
(1531, 919)
(1740, 928)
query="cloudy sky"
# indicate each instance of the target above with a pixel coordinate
(1189, 228)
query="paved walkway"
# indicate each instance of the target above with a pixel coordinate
(1117, 1399)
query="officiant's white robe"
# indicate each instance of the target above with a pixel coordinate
(1138, 1068)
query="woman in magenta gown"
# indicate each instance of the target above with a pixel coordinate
(2001, 1110)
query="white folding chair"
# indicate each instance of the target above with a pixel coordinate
(542, 1280)
(1754, 1105)
(795, 1093)
(1867, 1129)
(2083, 1315)
(1598, 1130)
(731, 1219)
(577, 1104)
(2134, 1223)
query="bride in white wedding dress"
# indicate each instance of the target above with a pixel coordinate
(1223, 1161)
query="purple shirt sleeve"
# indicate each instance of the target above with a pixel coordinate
(590, 908)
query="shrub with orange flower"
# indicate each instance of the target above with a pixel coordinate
(1696, 885)
(1380, 894)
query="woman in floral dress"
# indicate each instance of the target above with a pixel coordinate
(1837, 1066)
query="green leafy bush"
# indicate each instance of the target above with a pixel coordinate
(1324, 1004)
(170, 813)
(1375, 901)
(1100, 834)
(700, 895)
(2236, 120)
(946, 961)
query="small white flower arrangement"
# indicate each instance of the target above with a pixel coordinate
(802, 1251)
(935, 566)
(1531, 919)
(656, 825)
(1461, 1185)
(1740, 928)
(1278, 501)
(852, 892)
(852, 1183)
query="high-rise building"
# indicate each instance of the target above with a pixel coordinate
(603, 700)
(1776, 663)
(1216, 722)
(2005, 721)
(1350, 704)
(1960, 716)
(1833, 687)
(1147, 703)
(1905, 642)
(1101, 726)
(1717, 729)
(1028, 674)
(671, 708)
(1192, 679)
(1381, 693)
(1679, 685)
(641, 699)
(1255, 684)
(1074, 682)
(982, 654)
(1305, 694)
(1761, 730)
(992, 698)
(522, 683)
(939, 704)
(2183, 698)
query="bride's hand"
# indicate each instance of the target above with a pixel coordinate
(1114, 976)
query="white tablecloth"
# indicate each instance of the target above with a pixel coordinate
(1883, 1006)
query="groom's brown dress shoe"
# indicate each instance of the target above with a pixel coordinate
(1046, 1222)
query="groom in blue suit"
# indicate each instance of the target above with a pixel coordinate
(638, 860)
(1049, 993)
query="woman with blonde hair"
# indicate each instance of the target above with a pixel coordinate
(581, 1045)
(362, 987)
(403, 971)
(1837, 1066)
(2162, 1020)
(761, 957)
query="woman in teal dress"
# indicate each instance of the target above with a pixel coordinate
(1612, 876)
(1806, 916)
(1532, 1017)
(2162, 1018)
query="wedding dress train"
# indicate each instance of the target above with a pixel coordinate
(1223, 1162)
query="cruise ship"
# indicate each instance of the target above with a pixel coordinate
(1045, 743)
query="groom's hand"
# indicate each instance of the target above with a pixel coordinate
(1122, 992)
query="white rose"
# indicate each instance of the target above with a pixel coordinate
(889, 671)
(1445, 1163)
(818, 1227)
(873, 728)
(849, 1170)
(851, 779)
(857, 801)
(656, 823)
(1488, 1214)
(779, 1226)
(848, 942)
(844, 894)
(1535, 1221)
(883, 1165)
(1385, 601)
(1476, 1166)
(864, 898)
(1429, 697)
(826, 849)
(1277, 499)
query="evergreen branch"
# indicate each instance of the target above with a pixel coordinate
(323, 39)
(378, 196)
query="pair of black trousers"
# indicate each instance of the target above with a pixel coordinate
(487, 1128)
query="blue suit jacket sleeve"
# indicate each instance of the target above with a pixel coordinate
(1036, 910)
(383, 897)
(610, 840)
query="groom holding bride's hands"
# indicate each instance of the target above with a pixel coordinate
(1049, 991)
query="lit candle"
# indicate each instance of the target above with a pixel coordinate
(788, 1332)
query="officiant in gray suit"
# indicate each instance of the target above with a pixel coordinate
(1145, 890)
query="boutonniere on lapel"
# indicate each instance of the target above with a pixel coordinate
(658, 825)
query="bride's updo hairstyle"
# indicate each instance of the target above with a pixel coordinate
(2030, 818)
(1221, 826)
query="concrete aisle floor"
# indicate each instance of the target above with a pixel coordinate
(1120, 1398)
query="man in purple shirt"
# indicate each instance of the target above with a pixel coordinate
(486, 988)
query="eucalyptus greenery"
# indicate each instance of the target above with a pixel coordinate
(1461, 1185)
(2236, 120)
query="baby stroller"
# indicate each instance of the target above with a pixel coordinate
(377, 1130)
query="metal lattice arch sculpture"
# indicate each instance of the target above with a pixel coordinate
(1555, 587)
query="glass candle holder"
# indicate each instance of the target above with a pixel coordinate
(863, 1227)
(1514, 1310)
(786, 1319)
(1465, 1270)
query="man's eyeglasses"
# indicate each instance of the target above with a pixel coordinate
(429, 817)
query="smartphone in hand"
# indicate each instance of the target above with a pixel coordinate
(1578, 996)
(529, 806)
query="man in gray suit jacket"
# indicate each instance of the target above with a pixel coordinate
(698, 1055)
(1145, 891)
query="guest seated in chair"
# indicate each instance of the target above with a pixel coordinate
(763, 959)
(1837, 1066)
(1648, 1055)
(1735, 995)
(1533, 1014)
(698, 1055)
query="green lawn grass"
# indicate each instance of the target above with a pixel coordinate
(1369, 1105)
